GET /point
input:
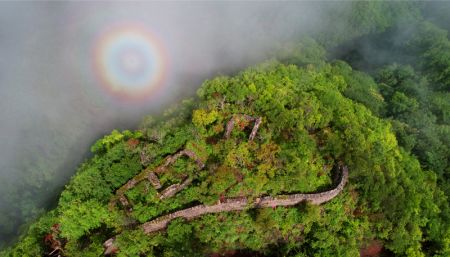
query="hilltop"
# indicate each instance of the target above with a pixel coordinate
(272, 133)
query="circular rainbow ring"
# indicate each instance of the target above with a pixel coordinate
(129, 62)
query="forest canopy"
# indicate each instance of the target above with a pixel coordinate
(279, 128)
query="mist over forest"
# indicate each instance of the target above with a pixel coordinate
(53, 106)
(372, 76)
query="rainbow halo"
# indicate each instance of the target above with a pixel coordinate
(129, 62)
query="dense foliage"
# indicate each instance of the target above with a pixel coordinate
(387, 117)
(51, 161)
(308, 125)
(410, 88)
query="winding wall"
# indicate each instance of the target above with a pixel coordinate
(237, 204)
(234, 204)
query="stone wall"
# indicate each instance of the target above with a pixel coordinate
(237, 204)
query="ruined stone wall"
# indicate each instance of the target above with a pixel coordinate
(234, 204)
(242, 203)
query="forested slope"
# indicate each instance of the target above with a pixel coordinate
(307, 127)
(44, 173)
(383, 112)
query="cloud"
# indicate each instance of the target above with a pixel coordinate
(53, 106)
